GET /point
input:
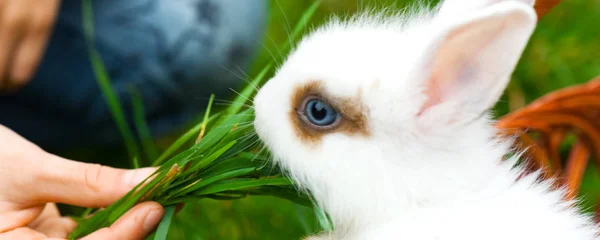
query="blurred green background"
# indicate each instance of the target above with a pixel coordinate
(565, 50)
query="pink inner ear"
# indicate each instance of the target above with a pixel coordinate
(433, 95)
(443, 79)
(450, 67)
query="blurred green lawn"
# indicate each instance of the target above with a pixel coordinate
(564, 50)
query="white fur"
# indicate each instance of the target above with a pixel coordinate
(416, 176)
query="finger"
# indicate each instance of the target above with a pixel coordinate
(82, 184)
(19, 218)
(51, 224)
(30, 51)
(50, 212)
(12, 20)
(22, 233)
(56, 227)
(135, 224)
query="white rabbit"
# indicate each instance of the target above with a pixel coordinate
(384, 120)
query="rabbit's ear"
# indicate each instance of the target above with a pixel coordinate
(469, 63)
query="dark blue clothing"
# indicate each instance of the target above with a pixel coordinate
(175, 52)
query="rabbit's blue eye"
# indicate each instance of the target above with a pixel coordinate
(320, 113)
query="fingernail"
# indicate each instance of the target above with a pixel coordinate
(152, 219)
(134, 177)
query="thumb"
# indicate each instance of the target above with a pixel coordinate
(82, 184)
(137, 223)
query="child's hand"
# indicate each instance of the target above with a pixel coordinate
(32, 180)
(25, 26)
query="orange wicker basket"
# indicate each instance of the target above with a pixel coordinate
(543, 126)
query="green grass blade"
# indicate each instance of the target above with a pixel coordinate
(136, 162)
(323, 219)
(194, 131)
(211, 180)
(165, 223)
(113, 104)
(306, 16)
(103, 81)
(205, 120)
(301, 25)
(139, 118)
(244, 183)
(223, 127)
(181, 159)
(208, 160)
(87, 212)
(88, 21)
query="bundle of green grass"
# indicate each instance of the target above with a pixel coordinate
(226, 162)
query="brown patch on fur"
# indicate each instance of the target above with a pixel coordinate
(353, 120)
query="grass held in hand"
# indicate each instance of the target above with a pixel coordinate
(226, 162)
